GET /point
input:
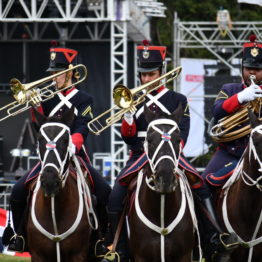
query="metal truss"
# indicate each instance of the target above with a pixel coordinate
(208, 35)
(118, 76)
(52, 10)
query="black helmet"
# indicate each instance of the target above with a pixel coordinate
(252, 53)
(150, 58)
(61, 58)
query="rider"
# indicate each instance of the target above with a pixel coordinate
(151, 61)
(230, 99)
(61, 58)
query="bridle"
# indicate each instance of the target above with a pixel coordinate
(252, 149)
(84, 194)
(166, 138)
(51, 147)
(186, 196)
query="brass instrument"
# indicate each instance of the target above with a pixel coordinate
(224, 131)
(127, 99)
(32, 94)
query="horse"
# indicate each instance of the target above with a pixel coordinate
(162, 220)
(61, 215)
(240, 205)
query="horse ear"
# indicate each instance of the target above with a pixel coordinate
(40, 118)
(253, 118)
(149, 115)
(68, 116)
(178, 113)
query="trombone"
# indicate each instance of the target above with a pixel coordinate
(126, 99)
(31, 94)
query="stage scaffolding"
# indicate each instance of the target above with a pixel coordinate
(127, 21)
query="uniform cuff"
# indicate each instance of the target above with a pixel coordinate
(231, 104)
(77, 140)
(128, 130)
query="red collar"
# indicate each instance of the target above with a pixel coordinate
(161, 88)
(67, 91)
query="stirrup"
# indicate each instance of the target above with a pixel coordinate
(233, 240)
(15, 241)
(100, 249)
(111, 256)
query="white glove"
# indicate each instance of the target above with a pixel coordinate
(129, 118)
(249, 93)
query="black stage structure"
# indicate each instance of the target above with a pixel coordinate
(94, 55)
(105, 32)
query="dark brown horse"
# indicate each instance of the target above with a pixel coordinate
(59, 225)
(161, 224)
(241, 199)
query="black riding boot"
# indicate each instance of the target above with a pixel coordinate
(98, 236)
(220, 244)
(17, 241)
(122, 245)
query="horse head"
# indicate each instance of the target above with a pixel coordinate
(255, 145)
(54, 150)
(162, 146)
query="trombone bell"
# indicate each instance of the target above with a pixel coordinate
(122, 96)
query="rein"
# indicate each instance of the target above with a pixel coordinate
(239, 172)
(84, 194)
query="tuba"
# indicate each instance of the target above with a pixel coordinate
(34, 93)
(224, 130)
(126, 99)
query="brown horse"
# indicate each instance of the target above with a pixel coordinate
(240, 204)
(59, 223)
(162, 220)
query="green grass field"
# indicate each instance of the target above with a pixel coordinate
(6, 258)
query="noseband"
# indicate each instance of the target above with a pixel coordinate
(51, 147)
(166, 138)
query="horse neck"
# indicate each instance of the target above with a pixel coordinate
(150, 202)
(66, 201)
(245, 196)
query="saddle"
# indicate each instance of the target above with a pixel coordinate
(194, 178)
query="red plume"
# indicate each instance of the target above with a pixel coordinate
(252, 38)
(145, 42)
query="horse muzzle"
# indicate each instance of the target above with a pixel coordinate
(165, 185)
(50, 184)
